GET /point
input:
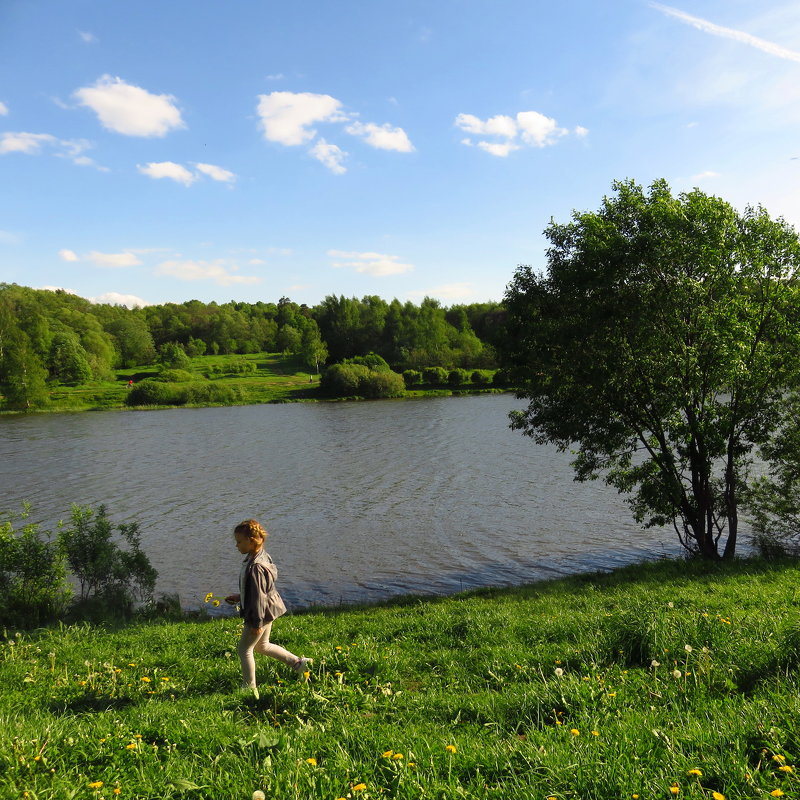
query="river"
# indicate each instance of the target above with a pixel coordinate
(362, 501)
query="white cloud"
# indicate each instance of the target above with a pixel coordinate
(537, 129)
(500, 125)
(30, 143)
(88, 38)
(498, 149)
(168, 169)
(219, 271)
(130, 110)
(115, 260)
(33, 143)
(707, 174)
(330, 155)
(376, 264)
(277, 76)
(730, 33)
(216, 173)
(117, 299)
(3, 109)
(256, 262)
(382, 137)
(527, 128)
(68, 255)
(287, 117)
(56, 289)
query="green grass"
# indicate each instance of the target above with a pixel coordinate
(278, 379)
(548, 690)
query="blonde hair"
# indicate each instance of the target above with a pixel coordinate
(252, 530)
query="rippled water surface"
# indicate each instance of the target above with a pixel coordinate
(362, 500)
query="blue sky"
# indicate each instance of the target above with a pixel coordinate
(166, 150)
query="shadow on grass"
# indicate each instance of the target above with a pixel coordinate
(88, 705)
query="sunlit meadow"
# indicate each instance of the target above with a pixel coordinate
(659, 681)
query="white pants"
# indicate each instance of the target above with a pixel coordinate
(251, 641)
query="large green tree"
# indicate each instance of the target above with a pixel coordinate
(662, 343)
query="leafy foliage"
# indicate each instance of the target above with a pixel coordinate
(33, 584)
(662, 341)
(104, 570)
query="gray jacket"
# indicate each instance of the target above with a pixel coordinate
(259, 601)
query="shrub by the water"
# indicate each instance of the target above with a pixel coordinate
(33, 588)
(412, 377)
(434, 376)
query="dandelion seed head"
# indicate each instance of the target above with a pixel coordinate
(676, 673)
(687, 648)
(559, 672)
(259, 795)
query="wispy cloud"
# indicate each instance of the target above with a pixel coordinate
(180, 174)
(3, 109)
(113, 260)
(447, 291)
(68, 255)
(86, 37)
(220, 271)
(376, 264)
(764, 45)
(331, 155)
(33, 144)
(382, 137)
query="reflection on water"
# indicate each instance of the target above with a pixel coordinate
(362, 500)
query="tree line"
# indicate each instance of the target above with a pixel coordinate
(54, 337)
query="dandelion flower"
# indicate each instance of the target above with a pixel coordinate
(776, 793)
(675, 789)
(575, 732)
(635, 796)
(451, 748)
(595, 733)
(786, 768)
(312, 761)
(778, 757)
(387, 754)
(718, 795)
(208, 597)
(359, 787)
(95, 784)
(559, 672)
(131, 746)
(117, 790)
(145, 679)
(215, 603)
(398, 756)
(697, 772)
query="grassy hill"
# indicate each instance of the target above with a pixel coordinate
(664, 680)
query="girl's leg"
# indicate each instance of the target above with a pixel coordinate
(250, 641)
(247, 642)
(275, 651)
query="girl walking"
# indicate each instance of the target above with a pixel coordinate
(259, 604)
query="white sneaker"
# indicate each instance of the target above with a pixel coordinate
(301, 666)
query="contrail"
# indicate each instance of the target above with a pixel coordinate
(730, 33)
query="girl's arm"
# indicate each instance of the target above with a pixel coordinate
(232, 599)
